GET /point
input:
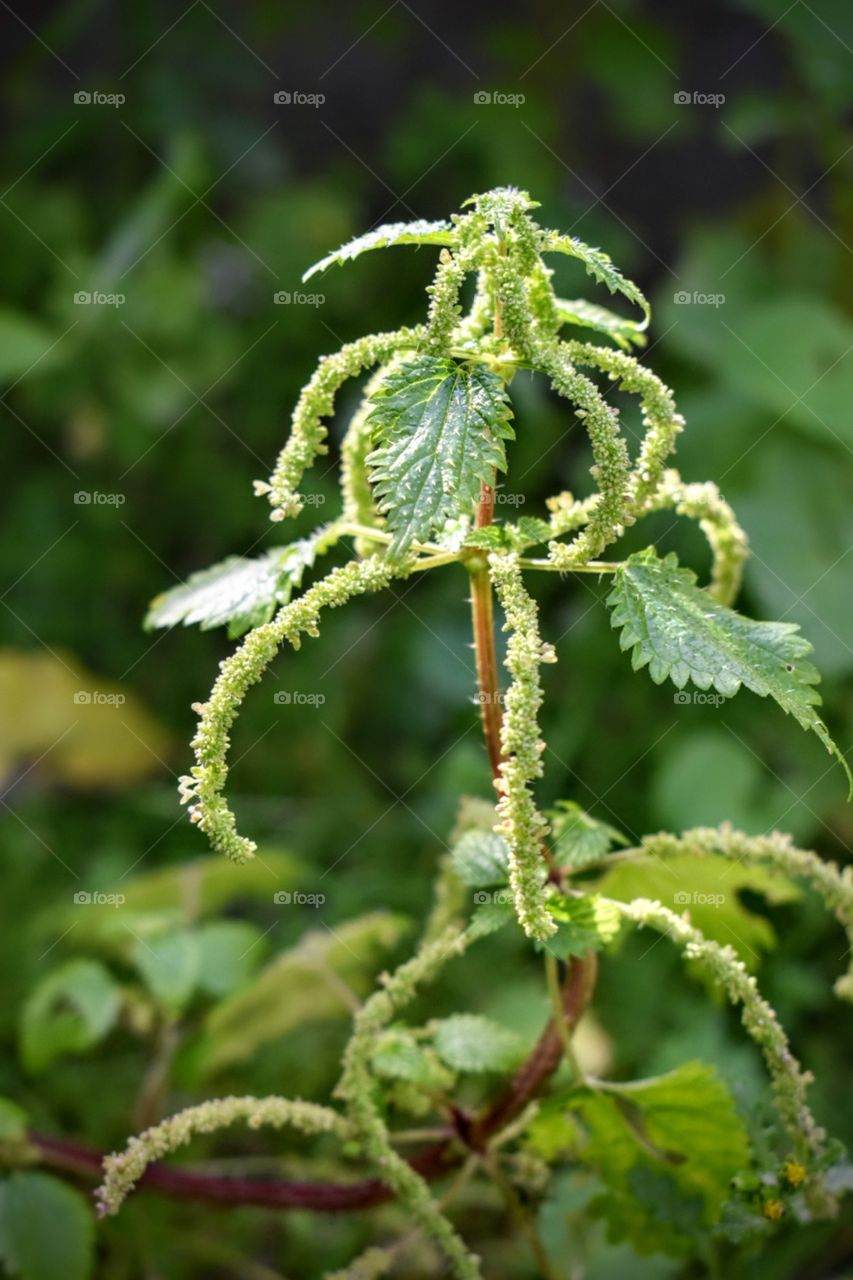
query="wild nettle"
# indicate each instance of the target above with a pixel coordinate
(419, 466)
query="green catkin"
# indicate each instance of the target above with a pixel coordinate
(657, 405)
(789, 1081)
(123, 1170)
(370, 1265)
(703, 501)
(356, 489)
(357, 1089)
(444, 308)
(611, 469)
(521, 823)
(316, 402)
(777, 850)
(204, 786)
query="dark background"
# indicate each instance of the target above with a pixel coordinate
(196, 200)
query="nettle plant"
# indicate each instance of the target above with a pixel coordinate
(420, 462)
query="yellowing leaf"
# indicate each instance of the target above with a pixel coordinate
(82, 729)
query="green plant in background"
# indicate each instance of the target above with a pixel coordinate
(421, 463)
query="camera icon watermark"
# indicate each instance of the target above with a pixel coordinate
(295, 697)
(83, 898)
(285, 298)
(94, 698)
(684, 298)
(94, 98)
(500, 898)
(484, 699)
(697, 899)
(96, 298)
(297, 898)
(497, 98)
(695, 98)
(698, 698)
(94, 498)
(296, 98)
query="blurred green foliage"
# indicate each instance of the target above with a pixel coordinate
(196, 202)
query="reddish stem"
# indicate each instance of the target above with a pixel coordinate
(331, 1197)
(483, 626)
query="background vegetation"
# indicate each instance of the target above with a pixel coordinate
(197, 200)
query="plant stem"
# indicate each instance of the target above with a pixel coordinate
(483, 626)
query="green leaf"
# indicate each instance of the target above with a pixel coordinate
(25, 345)
(481, 859)
(70, 1010)
(578, 838)
(13, 1121)
(591, 316)
(489, 917)
(419, 232)
(229, 953)
(160, 901)
(243, 593)
(47, 1229)
(441, 428)
(584, 924)
(398, 1056)
(600, 266)
(300, 986)
(678, 630)
(667, 1149)
(170, 966)
(468, 1042)
(708, 887)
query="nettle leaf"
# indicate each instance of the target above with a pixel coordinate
(299, 986)
(46, 1229)
(240, 592)
(709, 888)
(583, 924)
(419, 232)
(441, 429)
(600, 266)
(680, 631)
(525, 533)
(578, 838)
(468, 1042)
(667, 1148)
(69, 1011)
(481, 859)
(170, 966)
(490, 915)
(399, 1056)
(591, 316)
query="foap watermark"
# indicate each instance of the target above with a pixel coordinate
(497, 98)
(509, 499)
(95, 298)
(297, 98)
(95, 698)
(94, 498)
(685, 298)
(486, 699)
(85, 898)
(698, 698)
(500, 898)
(296, 698)
(95, 98)
(296, 898)
(284, 298)
(697, 899)
(695, 98)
